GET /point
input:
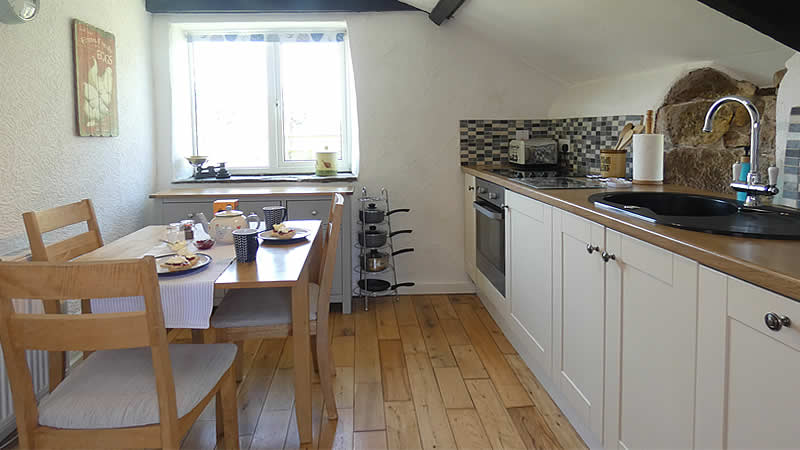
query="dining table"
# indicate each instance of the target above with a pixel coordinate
(285, 265)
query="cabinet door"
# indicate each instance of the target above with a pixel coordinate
(529, 273)
(469, 227)
(579, 315)
(651, 321)
(749, 397)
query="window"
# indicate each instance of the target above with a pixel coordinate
(265, 102)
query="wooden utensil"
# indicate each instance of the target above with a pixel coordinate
(648, 122)
(625, 138)
(638, 129)
(628, 127)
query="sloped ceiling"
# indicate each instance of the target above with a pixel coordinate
(575, 41)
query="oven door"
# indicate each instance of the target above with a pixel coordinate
(491, 247)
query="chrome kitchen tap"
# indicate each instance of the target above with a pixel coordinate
(752, 186)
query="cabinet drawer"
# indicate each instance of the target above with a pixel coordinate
(749, 304)
(528, 206)
(176, 211)
(254, 206)
(308, 209)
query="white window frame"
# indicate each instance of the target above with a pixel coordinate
(276, 140)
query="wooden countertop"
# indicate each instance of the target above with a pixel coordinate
(771, 264)
(252, 191)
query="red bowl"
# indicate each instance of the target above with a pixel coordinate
(204, 244)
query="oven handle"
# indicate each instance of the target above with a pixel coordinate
(487, 212)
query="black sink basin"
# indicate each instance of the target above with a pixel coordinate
(666, 204)
(703, 213)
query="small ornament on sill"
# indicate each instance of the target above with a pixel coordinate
(326, 162)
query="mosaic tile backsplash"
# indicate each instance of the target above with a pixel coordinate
(791, 165)
(486, 141)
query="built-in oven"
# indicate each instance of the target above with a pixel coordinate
(491, 233)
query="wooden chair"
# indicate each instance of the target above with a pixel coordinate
(39, 222)
(134, 390)
(267, 313)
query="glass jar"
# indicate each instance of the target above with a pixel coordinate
(174, 232)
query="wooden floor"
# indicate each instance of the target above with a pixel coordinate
(431, 372)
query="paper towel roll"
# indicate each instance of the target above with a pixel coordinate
(648, 158)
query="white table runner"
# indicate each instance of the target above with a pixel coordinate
(187, 299)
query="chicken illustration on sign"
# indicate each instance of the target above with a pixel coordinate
(95, 71)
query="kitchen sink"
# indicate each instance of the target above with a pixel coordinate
(703, 213)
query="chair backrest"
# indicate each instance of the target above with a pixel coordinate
(328, 259)
(61, 332)
(40, 222)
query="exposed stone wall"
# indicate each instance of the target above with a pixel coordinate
(703, 160)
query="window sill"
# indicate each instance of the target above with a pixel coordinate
(279, 178)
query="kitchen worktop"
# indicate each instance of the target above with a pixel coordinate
(251, 191)
(771, 264)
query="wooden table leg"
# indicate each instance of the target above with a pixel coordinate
(302, 357)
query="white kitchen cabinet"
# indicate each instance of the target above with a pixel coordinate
(469, 228)
(579, 315)
(747, 388)
(529, 274)
(651, 323)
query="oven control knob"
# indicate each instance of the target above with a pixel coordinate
(492, 196)
(481, 190)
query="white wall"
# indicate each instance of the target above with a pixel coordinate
(788, 97)
(629, 94)
(413, 82)
(637, 92)
(42, 160)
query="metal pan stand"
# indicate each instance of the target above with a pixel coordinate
(386, 287)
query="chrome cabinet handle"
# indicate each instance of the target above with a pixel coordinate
(314, 212)
(591, 249)
(606, 256)
(471, 188)
(775, 322)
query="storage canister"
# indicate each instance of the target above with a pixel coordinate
(326, 162)
(612, 163)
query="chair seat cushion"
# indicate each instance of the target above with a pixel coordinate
(117, 388)
(260, 307)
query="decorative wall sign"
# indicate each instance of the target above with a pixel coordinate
(96, 76)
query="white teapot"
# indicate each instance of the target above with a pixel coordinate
(224, 222)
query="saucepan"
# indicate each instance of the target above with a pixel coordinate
(373, 214)
(375, 260)
(374, 237)
(375, 285)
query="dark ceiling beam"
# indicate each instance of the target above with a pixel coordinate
(273, 6)
(775, 18)
(444, 10)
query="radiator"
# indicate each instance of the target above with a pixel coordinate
(37, 362)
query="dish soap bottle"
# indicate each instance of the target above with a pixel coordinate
(745, 163)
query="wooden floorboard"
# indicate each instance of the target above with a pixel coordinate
(425, 372)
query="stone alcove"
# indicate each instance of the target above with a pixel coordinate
(703, 160)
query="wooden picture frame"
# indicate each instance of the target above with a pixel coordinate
(96, 80)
